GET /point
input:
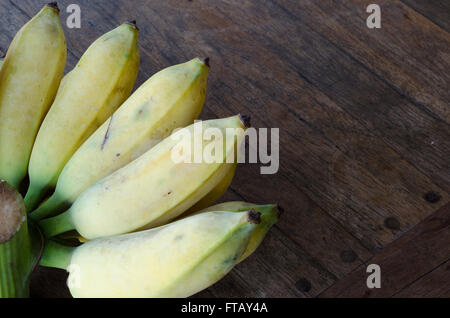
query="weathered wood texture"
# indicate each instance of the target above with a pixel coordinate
(414, 265)
(363, 117)
(437, 11)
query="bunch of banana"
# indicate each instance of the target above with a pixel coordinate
(170, 99)
(120, 170)
(29, 80)
(175, 260)
(91, 92)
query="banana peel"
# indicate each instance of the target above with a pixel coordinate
(174, 260)
(93, 90)
(29, 79)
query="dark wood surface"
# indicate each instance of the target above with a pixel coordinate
(364, 131)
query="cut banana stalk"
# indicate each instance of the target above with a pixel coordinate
(172, 98)
(175, 260)
(99, 83)
(16, 259)
(153, 189)
(29, 79)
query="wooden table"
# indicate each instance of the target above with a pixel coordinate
(364, 131)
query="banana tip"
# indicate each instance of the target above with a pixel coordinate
(245, 119)
(279, 210)
(204, 60)
(133, 24)
(53, 5)
(253, 217)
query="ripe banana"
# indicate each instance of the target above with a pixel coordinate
(171, 98)
(99, 83)
(175, 260)
(29, 80)
(153, 189)
(211, 197)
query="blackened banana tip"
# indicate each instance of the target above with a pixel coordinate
(133, 24)
(253, 217)
(246, 120)
(205, 60)
(53, 5)
(280, 210)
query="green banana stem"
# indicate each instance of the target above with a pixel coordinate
(51, 206)
(57, 224)
(18, 252)
(56, 255)
(34, 196)
(15, 265)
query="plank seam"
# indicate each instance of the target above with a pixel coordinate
(425, 16)
(418, 278)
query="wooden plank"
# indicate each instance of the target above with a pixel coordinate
(410, 116)
(409, 61)
(432, 285)
(437, 11)
(411, 256)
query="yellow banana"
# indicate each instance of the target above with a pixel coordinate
(99, 83)
(154, 188)
(211, 197)
(175, 260)
(29, 79)
(170, 99)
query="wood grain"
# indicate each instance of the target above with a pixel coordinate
(363, 117)
(406, 262)
(438, 12)
(431, 285)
